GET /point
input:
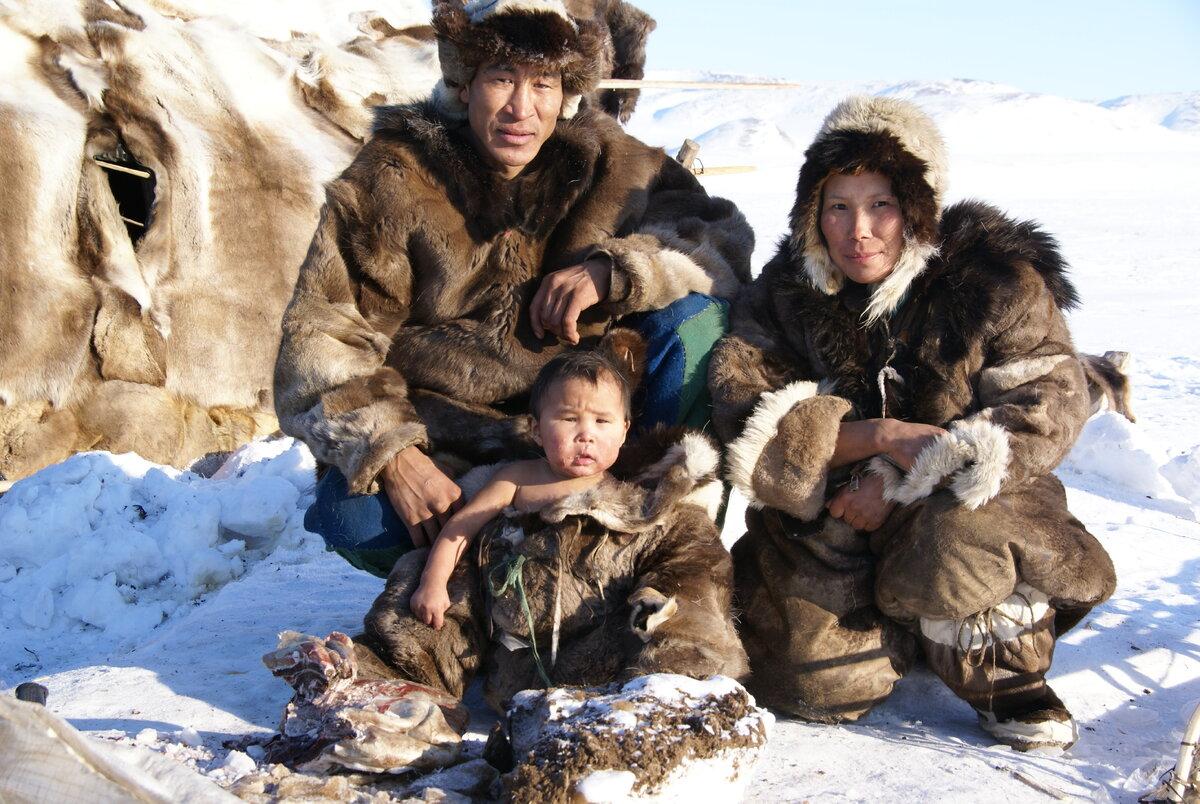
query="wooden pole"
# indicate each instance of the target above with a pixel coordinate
(723, 170)
(687, 153)
(120, 168)
(650, 83)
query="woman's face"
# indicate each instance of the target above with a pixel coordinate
(862, 224)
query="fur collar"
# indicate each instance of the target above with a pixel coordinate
(685, 472)
(534, 202)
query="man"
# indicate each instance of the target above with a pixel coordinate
(472, 236)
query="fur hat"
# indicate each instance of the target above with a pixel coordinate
(539, 32)
(882, 135)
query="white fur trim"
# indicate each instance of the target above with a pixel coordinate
(1016, 615)
(708, 496)
(479, 10)
(1048, 733)
(887, 295)
(762, 425)
(1007, 376)
(975, 451)
(980, 481)
(570, 106)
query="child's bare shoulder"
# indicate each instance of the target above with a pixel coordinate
(525, 473)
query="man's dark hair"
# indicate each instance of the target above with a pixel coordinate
(590, 366)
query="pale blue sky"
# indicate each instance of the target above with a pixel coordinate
(1085, 49)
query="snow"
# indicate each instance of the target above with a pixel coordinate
(143, 596)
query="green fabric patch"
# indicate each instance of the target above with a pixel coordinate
(698, 335)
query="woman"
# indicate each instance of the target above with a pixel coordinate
(898, 384)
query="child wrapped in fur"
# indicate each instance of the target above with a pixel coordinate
(622, 577)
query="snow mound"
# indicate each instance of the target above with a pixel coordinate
(1111, 450)
(657, 738)
(1183, 473)
(117, 543)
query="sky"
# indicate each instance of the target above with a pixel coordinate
(1091, 50)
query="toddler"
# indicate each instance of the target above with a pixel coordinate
(580, 402)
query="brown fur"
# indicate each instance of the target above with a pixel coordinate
(629, 30)
(424, 263)
(596, 550)
(1108, 382)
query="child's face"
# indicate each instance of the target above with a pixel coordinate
(582, 426)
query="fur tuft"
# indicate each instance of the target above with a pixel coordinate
(762, 425)
(974, 453)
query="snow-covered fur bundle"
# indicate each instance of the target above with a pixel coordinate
(620, 580)
(166, 346)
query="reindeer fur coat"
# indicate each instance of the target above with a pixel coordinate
(966, 333)
(410, 325)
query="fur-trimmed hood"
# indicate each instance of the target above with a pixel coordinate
(536, 32)
(882, 135)
(684, 473)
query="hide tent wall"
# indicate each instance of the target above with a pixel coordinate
(162, 165)
(167, 347)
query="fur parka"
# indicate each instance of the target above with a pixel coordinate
(631, 574)
(968, 333)
(410, 325)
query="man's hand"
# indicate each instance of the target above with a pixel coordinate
(564, 294)
(429, 604)
(862, 508)
(903, 441)
(421, 494)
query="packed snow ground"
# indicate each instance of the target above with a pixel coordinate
(143, 597)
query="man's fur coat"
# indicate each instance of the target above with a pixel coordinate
(630, 573)
(967, 333)
(410, 324)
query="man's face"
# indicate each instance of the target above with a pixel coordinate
(512, 110)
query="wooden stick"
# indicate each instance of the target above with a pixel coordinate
(723, 170)
(651, 83)
(687, 153)
(121, 168)
(132, 222)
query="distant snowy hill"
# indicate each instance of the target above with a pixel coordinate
(1179, 111)
(977, 117)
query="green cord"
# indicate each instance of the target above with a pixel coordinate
(514, 579)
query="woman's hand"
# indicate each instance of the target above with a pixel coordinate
(421, 494)
(429, 604)
(861, 505)
(566, 293)
(903, 441)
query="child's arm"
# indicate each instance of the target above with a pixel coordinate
(430, 601)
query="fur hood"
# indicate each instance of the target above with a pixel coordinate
(685, 474)
(882, 135)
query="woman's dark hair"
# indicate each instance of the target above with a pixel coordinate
(590, 366)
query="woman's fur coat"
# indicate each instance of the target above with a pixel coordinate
(634, 567)
(410, 325)
(968, 334)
